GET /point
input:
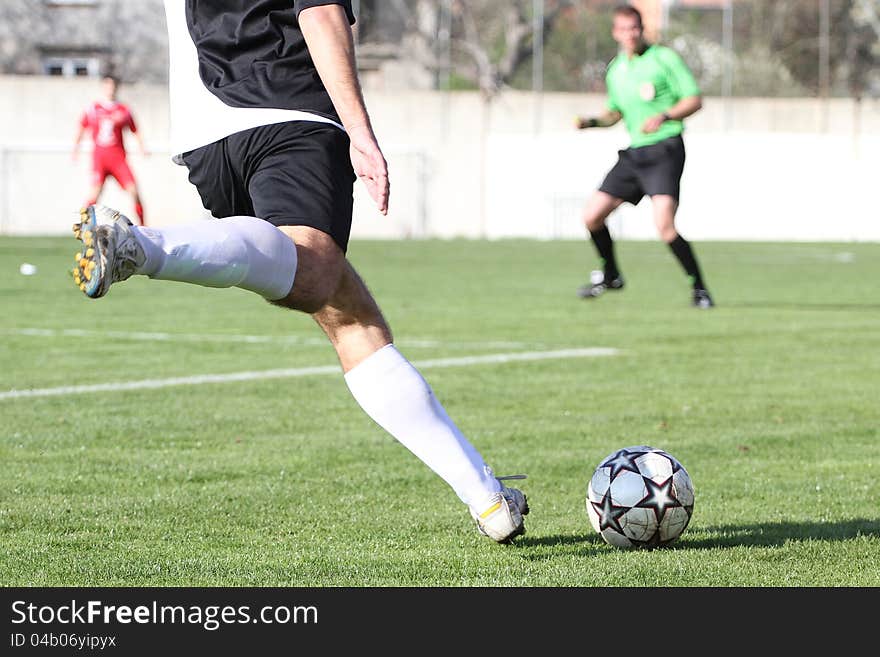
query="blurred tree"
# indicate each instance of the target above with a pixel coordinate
(862, 48)
(779, 47)
(484, 43)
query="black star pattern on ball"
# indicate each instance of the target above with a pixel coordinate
(609, 513)
(659, 497)
(624, 460)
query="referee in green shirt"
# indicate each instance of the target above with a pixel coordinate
(652, 90)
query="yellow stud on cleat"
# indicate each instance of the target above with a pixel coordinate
(90, 253)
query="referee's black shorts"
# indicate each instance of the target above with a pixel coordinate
(296, 173)
(647, 170)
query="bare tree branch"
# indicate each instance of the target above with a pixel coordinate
(517, 32)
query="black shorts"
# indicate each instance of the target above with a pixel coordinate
(296, 173)
(651, 170)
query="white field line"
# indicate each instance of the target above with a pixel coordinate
(587, 352)
(144, 336)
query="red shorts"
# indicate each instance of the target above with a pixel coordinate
(111, 162)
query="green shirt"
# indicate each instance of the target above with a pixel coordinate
(647, 85)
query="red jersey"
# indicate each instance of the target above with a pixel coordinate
(106, 122)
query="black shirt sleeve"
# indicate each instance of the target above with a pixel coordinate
(299, 5)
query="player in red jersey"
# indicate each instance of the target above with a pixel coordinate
(106, 120)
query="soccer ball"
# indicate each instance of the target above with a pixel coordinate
(640, 497)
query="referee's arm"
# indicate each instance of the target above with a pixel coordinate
(604, 120)
(681, 110)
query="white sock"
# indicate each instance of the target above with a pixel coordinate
(243, 252)
(397, 397)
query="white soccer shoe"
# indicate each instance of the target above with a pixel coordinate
(111, 251)
(502, 521)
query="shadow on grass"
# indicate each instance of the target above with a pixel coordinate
(720, 536)
(576, 543)
(779, 533)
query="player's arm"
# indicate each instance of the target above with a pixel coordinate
(133, 129)
(140, 142)
(81, 130)
(328, 36)
(681, 80)
(678, 112)
(604, 120)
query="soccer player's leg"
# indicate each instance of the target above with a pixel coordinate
(96, 181)
(662, 182)
(664, 209)
(390, 390)
(122, 172)
(596, 211)
(240, 251)
(310, 198)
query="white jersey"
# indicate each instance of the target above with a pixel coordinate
(198, 116)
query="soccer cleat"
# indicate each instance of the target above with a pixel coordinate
(702, 298)
(502, 521)
(598, 285)
(111, 251)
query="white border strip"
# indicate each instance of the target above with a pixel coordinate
(231, 377)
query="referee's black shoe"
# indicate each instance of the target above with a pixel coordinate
(702, 298)
(599, 285)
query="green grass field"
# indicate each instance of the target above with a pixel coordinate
(771, 401)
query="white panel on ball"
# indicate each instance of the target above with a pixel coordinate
(640, 496)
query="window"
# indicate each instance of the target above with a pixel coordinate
(72, 66)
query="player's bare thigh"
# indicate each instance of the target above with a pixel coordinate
(664, 207)
(598, 207)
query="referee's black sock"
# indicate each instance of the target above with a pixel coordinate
(685, 254)
(605, 247)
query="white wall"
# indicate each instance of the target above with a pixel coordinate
(757, 169)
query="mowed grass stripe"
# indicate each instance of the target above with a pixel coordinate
(295, 340)
(232, 377)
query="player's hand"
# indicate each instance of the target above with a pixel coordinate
(653, 124)
(369, 164)
(582, 123)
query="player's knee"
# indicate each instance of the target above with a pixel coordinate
(318, 276)
(593, 221)
(668, 233)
